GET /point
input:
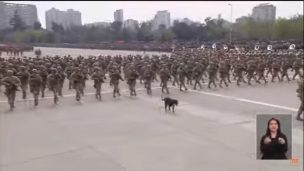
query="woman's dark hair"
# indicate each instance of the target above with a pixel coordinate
(279, 126)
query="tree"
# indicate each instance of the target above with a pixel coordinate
(37, 25)
(16, 22)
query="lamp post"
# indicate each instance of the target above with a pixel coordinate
(230, 34)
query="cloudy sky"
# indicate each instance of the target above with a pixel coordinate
(93, 11)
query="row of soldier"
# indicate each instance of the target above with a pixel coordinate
(182, 68)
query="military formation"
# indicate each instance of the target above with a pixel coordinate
(187, 68)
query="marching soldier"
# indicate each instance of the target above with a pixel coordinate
(275, 70)
(212, 74)
(260, 72)
(197, 75)
(131, 80)
(35, 83)
(53, 83)
(148, 77)
(61, 81)
(11, 84)
(23, 75)
(77, 77)
(43, 75)
(296, 67)
(285, 68)
(182, 75)
(115, 77)
(164, 77)
(223, 73)
(98, 78)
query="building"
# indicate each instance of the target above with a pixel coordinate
(98, 24)
(243, 19)
(27, 13)
(264, 12)
(130, 24)
(161, 18)
(67, 18)
(118, 15)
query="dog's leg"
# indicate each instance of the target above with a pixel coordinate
(166, 107)
(173, 108)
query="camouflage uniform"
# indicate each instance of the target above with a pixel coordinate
(285, 68)
(212, 69)
(23, 75)
(260, 72)
(11, 84)
(296, 67)
(223, 73)
(77, 77)
(131, 80)
(35, 82)
(115, 77)
(44, 74)
(148, 77)
(181, 75)
(275, 71)
(98, 78)
(53, 83)
(164, 77)
(197, 75)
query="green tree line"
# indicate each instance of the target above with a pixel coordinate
(210, 30)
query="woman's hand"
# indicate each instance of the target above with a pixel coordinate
(281, 140)
(267, 140)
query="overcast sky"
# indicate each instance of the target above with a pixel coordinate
(93, 11)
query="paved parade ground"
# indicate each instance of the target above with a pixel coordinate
(212, 129)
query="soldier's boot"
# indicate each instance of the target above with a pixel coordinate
(238, 82)
(214, 84)
(23, 94)
(99, 97)
(209, 84)
(221, 83)
(226, 84)
(36, 101)
(180, 87)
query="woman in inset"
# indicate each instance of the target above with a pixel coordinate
(274, 144)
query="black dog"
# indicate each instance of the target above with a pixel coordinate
(170, 102)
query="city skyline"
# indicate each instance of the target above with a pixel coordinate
(144, 11)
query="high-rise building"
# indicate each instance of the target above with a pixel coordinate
(161, 18)
(27, 13)
(118, 15)
(264, 12)
(130, 24)
(67, 18)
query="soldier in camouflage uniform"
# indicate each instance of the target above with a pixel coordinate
(77, 77)
(300, 94)
(275, 70)
(43, 74)
(61, 81)
(35, 83)
(212, 70)
(238, 70)
(197, 75)
(174, 68)
(296, 67)
(285, 68)
(131, 80)
(115, 77)
(98, 77)
(223, 73)
(148, 77)
(11, 84)
(182, 75)
(23, 75)
(53, 83)
(251, 67)
(164, 75)
(260, 71)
